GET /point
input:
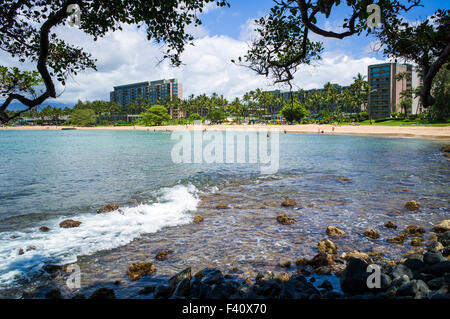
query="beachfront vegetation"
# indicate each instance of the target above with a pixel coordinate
(83, 117)
(155, 115)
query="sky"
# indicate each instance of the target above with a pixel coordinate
(127, 57)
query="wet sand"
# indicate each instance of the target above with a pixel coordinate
(388, 131)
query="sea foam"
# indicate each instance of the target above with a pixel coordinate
(97, 232)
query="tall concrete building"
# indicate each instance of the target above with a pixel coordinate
(386, 98)
(152, 91)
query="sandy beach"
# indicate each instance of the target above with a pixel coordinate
(388, 131)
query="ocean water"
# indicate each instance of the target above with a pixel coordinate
(50, 176)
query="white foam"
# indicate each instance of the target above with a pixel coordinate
(97, 232)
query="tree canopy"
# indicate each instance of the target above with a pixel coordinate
(26, 34)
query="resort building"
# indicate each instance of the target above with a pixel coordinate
(151, 92)
(387, 95)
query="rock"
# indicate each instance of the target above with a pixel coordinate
(399, 281)
(69, 223)
(390, 225)
(442, 227)
(183, 288)
(285, 220)
(444, 238)
(283, 276)
(53, 294)
(435, 246)
(445, 149)
(326, 285)
(415, 288)
(163, 255)
(198, 219)
(433, 257)
(353, 279)
(400, 271)
(20, 252)
(79, 297)
(289, 202)
(147, 290)
(52, 269)
(334, 231)
(412, 206)
(103, 293)
(138, 270)
(321, 260)
(175, 280)
(447, 155)
(264, 276)
(417, 241)
(44, 229)
(345, 180)
(357, 254)
(162, 292)
(399, 240)
(30, 248)
(415, 230)
(108, 208)
(327, 246)
(285, 264)
(222, 206)
(416, 266)
(436, 283)
(441, 268)
(211, 276)
(372, 234)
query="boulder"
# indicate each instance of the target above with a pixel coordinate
(399, 240)
(436, 283)
(327, 246)
(444, 238)
(415, 288)
(146, 290)
(320, 260)
(20, 252)
(183, 288)
(435, 246)
(198, 219)
(44, 229)
(415, 230)
(334, 231)
(417, 241)
(372, 234)
(433, 257)
(353, 279)
(162, 292)
(390, 225)
(69, 223)
(138, 270)
(285, 219)
(441, 268)
(108, 208)
(264, 276)
(326, 285)
(416, 266)
(103, 293)
(442, 227)
(357, 254)
(412, 205)
(289, 202)
(400, 271)
(53, 294)
(163, 255)
(175, 280)
(211, 276)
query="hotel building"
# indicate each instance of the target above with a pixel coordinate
(386, 98)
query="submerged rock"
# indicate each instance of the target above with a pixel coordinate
(175, 280)
(20, 252)
(138, 270)
(371, 233)
(69, 223)
(390, 225)
(198, 219)
(412, 205)
(399, 240)
(356, 254)
(417, 241)
(44, 229)
(108, 208)
(163, 255)
(415, 230)
(289, 202)
(334, 231)
(327, 246)
(442, 226)
(103, 293)
(321, 260)
(285, 219)
(222, 206)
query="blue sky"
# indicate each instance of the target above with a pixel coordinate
(126, 56)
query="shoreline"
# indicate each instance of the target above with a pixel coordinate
(441, 133)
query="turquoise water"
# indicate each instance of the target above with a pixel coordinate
(49, 176)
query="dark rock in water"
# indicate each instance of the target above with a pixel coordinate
(108, 208)
(445, 149)
(138, 270)
(289, 202)
(390, 225)
(20, 252)
(371, 233)
(69, 223)
(400, 281)
(285, 264)
(211, 276)
(444, 238)
(321, 260)
(327, 246)
(175, 280)
(416, 266)
(401, 270)
(399, 240)
(198, 219)
(222, 206)
(30, 248)
(446, 251)
(442, 227)
(412, 206)
(44, 229)
(162, 292)
(436, 283)
(53, 294)
(285, 219)
(79, 296)
(264, 276)
(326, 285)
(147, 290)
(183, 288)
(199, 290)
(334, 231)
(163, 255)
(51, 269)
(415, 230)
(441, 268)
(417, 241)
(218, 291)
(415, 288)
(433, 257)
(103, 293)
(354, 278)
